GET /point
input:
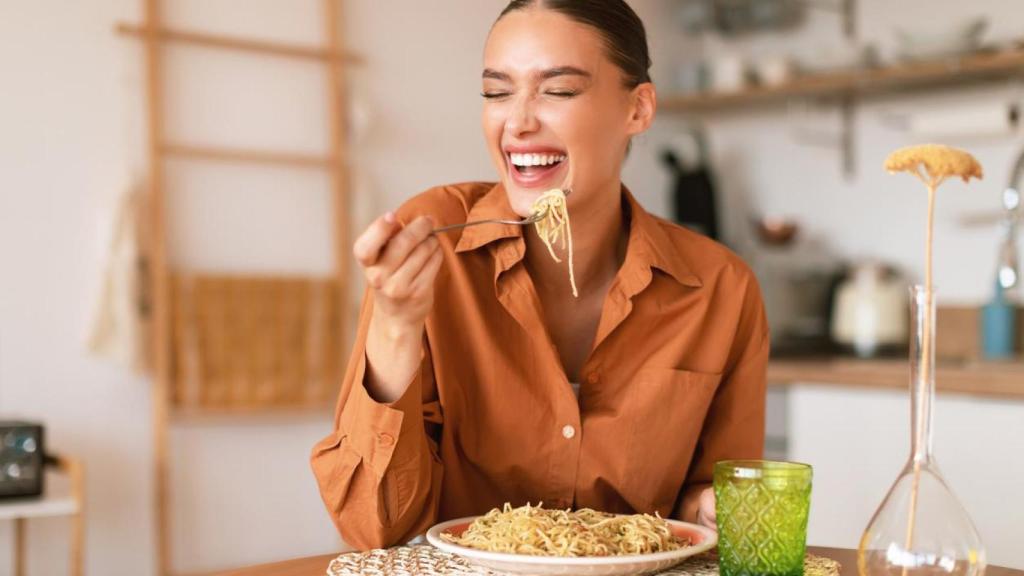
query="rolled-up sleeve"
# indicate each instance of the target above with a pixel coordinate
(379, 472)
(734, 426)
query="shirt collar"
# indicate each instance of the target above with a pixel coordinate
(649, 244)
(492, 205)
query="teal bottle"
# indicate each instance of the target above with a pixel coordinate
(998, 327)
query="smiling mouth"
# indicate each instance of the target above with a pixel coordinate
(534, 170)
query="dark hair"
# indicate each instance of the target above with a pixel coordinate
(622, 30)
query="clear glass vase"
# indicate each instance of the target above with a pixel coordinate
(921, 528)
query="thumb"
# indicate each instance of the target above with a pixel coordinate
(707, 505)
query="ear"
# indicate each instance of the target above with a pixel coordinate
(644, 99)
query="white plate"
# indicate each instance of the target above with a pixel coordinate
(703, 539)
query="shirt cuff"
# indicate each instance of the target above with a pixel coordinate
(374, 429)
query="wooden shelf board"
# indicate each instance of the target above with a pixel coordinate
(248, 156)
(956, 70)
(996, 379)
(239, 44)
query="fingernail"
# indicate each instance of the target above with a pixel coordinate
(389, 217)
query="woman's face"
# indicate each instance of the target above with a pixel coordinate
(555, 106)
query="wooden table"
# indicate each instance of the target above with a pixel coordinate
(317, 565)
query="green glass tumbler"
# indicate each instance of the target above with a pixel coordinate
(762, 509)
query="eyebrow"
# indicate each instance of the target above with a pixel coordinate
(545, 75)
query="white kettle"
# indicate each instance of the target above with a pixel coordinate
(869, 313)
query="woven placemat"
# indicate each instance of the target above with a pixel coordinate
(425, 560)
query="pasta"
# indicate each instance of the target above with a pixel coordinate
(536, 531)
(554, 227)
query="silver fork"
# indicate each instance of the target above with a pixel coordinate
(531, 219)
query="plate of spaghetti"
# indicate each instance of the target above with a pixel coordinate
(536, 540)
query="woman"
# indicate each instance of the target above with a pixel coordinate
(477, 378)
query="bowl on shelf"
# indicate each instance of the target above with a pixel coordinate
(774, 71)
(951, 40)
(775, 231)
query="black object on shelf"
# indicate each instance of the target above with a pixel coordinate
(693, 195)
(22, 459)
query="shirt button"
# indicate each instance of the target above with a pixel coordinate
(568, 431)
(592, 378)
(386, 439)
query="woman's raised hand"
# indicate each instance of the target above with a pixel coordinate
(400, 264)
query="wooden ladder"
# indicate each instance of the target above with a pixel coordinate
(154, 36)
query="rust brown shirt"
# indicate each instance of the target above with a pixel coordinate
(675, 381)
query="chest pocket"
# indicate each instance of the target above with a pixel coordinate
(667, 409)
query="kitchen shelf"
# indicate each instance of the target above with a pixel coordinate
(977, 378)
(952, 71)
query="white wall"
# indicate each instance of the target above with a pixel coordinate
(71, 138)
(63, 154)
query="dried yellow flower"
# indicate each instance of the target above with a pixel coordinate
(940, 162)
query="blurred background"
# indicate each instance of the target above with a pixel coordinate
(775, 119)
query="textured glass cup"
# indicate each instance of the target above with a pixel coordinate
(762, 509)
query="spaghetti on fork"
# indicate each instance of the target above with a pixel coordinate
(554, 227)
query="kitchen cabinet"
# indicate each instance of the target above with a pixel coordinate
(858, 439)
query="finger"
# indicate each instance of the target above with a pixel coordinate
(425, 280)
(399, 247)
(402, 278)
(710, 515)
(367, 247)
(709, 522)
(707, 505)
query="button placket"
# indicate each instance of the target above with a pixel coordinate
(568, 465)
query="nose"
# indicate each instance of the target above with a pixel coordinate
(522, 119)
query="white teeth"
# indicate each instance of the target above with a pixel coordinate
(525, 160)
